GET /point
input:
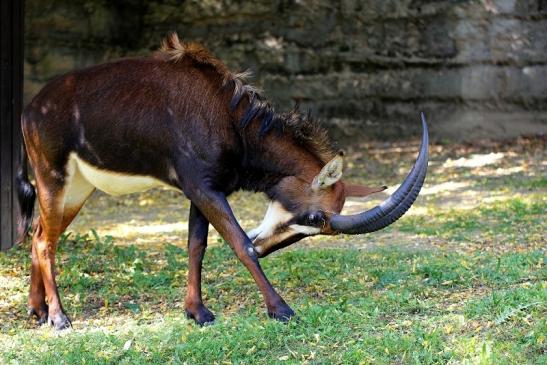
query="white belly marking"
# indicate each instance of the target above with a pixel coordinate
(115, 183)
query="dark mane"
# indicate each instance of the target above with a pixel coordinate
(309, 133)
(302, 128)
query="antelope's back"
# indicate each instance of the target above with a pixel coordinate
(134, 115)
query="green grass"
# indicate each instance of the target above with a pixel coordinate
(379, 306)
(513, 220)
(463, 281)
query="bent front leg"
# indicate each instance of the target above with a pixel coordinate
(198, 227)
(216, 209)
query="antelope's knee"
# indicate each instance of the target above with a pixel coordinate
(251, 252)
(43, 248)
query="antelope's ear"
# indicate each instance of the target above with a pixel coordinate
(361, 190)
(330, 173)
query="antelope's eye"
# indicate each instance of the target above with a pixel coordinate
(314, 219)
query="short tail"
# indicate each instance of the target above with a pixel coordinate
(26, 195)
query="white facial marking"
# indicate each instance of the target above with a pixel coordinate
(114, 183)
(275, 215)
(305, 229)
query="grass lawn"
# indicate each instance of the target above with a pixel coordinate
(460, 279)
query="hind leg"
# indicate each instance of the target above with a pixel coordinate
(37, 295)
(58, 206)
(44, 244)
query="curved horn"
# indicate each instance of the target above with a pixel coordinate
(393, 207)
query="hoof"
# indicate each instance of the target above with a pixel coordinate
(39, 314)
(60, 322)
(202, 316)
(282, 313)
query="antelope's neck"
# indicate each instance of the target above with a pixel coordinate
(275, 156)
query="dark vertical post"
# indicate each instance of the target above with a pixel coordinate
(11, 93)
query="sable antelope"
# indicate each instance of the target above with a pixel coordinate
(181, 119)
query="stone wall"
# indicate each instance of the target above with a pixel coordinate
(477, 67)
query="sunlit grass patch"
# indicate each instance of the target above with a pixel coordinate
(514, 220)
(508, 305)
(511, 326)
(509, 183)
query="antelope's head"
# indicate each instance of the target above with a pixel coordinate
(302, 208)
